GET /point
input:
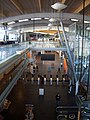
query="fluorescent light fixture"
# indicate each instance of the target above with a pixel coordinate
(52, 20)
(46, 18)
(36, 18)
(73, 19)
(24, 20)
(9, 23)
(88, 28)
(50, 24)
(58, 6)
(86, 21)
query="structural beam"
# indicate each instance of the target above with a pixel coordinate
(44, 15)
(80, 8)
(88, 13)
(17, 5)
(48, 31)
(2, 15)
(63, 1)
(40, 6)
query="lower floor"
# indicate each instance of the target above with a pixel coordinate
(45, 103)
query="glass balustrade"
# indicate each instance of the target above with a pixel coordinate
(10, 76)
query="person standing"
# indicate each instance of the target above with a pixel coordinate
(58, 98)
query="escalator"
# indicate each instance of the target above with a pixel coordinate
(67, 112)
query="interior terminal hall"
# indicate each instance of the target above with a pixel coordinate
(44, 59)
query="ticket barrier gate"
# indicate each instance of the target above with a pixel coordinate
(51, 80)
(44, 80)
(32, 79)
(38, 82)
(67, 112)
(57, 80)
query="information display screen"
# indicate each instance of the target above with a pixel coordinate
(48, 57)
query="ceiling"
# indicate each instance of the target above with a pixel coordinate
(13, 8)
(19, 7)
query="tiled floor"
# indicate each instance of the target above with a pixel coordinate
(44, 106)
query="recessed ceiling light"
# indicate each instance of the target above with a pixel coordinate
(58, 6)
(23, 20)
(73, 19)
(9, 23)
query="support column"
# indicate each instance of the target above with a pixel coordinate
(59, 54)
(5, 28)
(21, 38)
(60, 38)
(88, 84)
(25, 37)
(42, 52)
(37, 36)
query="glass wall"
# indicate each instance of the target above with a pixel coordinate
(79, 42)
